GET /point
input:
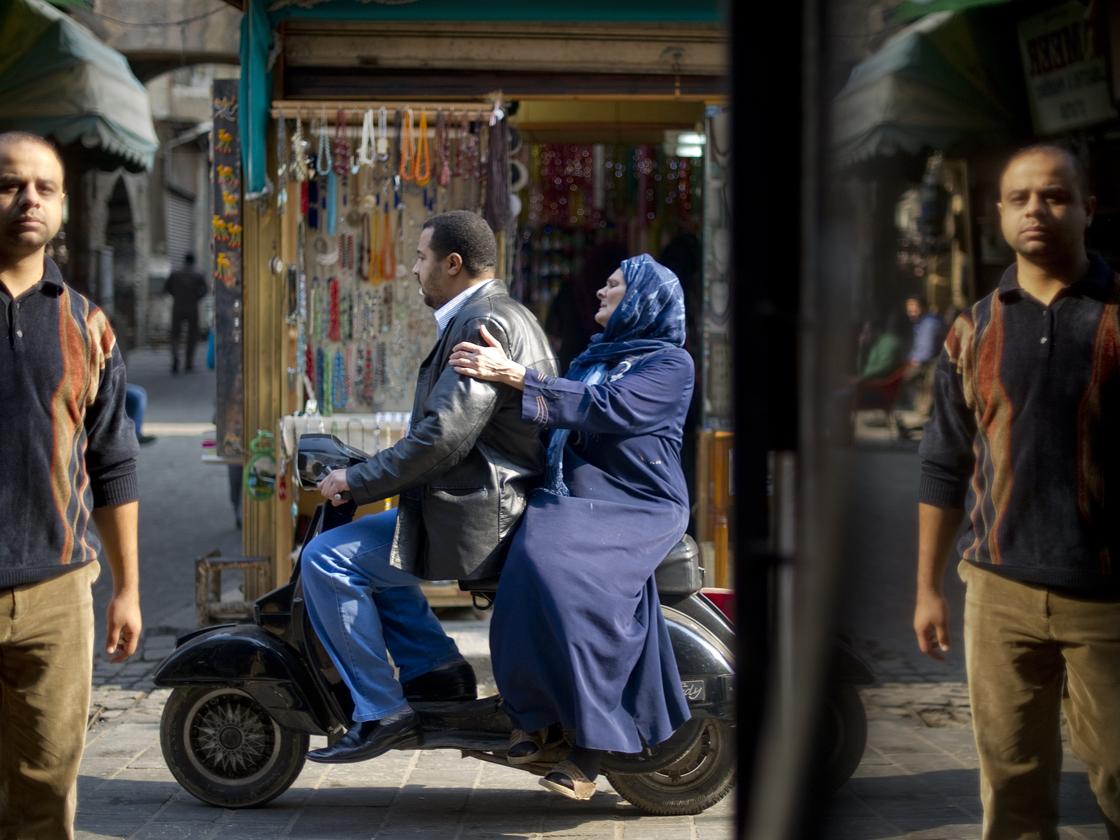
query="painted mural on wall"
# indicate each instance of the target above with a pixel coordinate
(226, 239)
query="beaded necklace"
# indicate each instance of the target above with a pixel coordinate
(334, 329)
(325, 384)
(422, 175)
(407, 167)
(323, 159)
(341, 146)
(443, 150)
(365, 147)
(382, 144)
(297, 165)
(340, 386)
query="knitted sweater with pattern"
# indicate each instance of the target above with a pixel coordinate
(66, 444)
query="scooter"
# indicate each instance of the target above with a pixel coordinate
(247, 697)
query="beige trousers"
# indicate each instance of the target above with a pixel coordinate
(46, 664)
(1020, 640)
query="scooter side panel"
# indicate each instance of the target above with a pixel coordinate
(247, 657)
(705, 663)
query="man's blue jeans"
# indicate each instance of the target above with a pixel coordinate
(360, 606)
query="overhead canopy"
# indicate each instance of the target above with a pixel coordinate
(928, 87)
(261, 16)
(59, 81)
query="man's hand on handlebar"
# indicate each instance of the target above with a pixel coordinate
(335, 488)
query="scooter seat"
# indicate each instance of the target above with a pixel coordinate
(678, 574)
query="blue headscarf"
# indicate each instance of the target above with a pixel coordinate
(649, 317)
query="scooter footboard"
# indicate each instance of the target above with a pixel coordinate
(705, 663)
(246, 657)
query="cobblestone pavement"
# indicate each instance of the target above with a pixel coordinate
(126, 790)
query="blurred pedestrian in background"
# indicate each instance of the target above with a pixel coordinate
(187, 287)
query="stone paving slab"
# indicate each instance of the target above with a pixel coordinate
(919, 780)
(126, 791)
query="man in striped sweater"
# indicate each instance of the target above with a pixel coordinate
(67, 455)
(1023, 439)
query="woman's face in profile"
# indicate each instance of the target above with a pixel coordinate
(609, 297)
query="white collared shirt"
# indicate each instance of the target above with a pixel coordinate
(450, 309)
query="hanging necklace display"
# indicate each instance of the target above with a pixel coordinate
(422, 166)
(407, 169)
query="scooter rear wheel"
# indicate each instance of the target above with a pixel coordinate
(702, 776)
(224, 748)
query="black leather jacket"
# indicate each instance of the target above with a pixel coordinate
(468, 462)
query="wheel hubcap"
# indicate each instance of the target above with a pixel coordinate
(231, 737)
(695, 763)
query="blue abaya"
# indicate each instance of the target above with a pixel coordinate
(577, 636)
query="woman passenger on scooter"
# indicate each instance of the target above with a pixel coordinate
(577, 637)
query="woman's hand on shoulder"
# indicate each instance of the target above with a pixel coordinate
(486, 361)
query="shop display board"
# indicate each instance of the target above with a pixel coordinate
(355, 185)
(227, 238)
(353, 190)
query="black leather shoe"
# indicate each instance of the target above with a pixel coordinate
(370, 739)
(455, 681)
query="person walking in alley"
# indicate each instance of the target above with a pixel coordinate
(462, 473)
(67, 455)
(1023, 437)
(187, 287)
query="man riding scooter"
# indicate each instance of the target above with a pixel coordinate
(461, 473)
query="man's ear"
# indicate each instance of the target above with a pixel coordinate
(1090, 209)
(454, 263)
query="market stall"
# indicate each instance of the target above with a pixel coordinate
(373, 125)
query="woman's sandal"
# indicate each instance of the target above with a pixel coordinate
(568, 780)
(524, 747)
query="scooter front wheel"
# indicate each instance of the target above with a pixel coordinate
(224, 748)
(702, 775)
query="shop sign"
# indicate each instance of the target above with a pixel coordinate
(1065, 70)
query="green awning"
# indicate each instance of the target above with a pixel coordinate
(909, 10)
(930, 86)
(58, 80)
